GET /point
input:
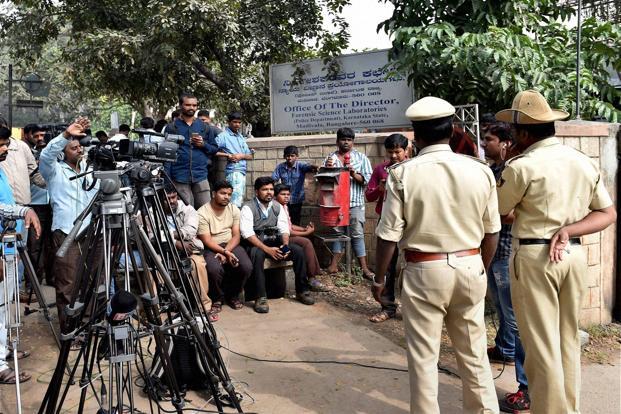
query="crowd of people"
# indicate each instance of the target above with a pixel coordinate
(463, 227)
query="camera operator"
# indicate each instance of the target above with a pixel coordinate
(61, 160)
(11, 211)
(189, 173)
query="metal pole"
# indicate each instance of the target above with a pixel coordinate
(10, 96)
(578, 38)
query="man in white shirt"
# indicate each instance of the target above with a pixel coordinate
(264, 226)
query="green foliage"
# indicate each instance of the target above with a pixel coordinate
(145, 52)
(486, 51)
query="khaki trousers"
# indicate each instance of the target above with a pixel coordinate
(450, 291)
(546, 299)
(199, 273)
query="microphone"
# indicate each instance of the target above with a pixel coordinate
(121, 305)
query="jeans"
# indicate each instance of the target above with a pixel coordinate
(196, 194)
(257, 257)
(507, 337)
(356, 232)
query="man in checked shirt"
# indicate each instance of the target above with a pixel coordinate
(360, 172)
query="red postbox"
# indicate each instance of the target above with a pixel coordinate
(334, 196)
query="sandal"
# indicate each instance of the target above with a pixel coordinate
(20, 355)
(7, 376)
(213, 317)
(369, 276)
(216, 307)
(381, 317)
(235, 303)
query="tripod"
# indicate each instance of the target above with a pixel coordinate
(12, 319)
(131, 223)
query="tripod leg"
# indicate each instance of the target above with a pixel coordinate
(187, 316)
(36, 288)
(18, 394)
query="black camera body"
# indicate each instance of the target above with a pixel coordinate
(270, 236)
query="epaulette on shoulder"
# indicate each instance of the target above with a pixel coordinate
(473, 158)
(517, 157)
(399, 164)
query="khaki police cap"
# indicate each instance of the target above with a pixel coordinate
(428, 108)
(530, 107)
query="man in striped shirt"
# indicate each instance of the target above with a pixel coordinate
(360, 171)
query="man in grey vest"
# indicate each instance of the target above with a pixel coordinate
(264, 226)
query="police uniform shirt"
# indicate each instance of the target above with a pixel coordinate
(550, 186)
(439, 202)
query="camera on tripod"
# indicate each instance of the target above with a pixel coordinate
(164, 151)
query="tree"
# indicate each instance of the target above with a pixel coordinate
(476, 51)
(145, 52)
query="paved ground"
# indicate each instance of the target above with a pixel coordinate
(292, 331)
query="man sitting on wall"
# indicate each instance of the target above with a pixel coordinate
(264, 227)
(228, 265)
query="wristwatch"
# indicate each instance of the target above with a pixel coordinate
(376, 284)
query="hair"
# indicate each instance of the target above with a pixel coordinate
(345, 133)
(100, 134)
(30, 128)
(394, 141)
(170, 189)
(185, 95)
(278, 188)
(159, 125)
(175, 114)
(538, 131)
(232, 116)
(290, 150)
(433, 130)
(500, 129)
(487, 118)
(147, 122)
(220, 184)
(261, 181)
(3, 122)
(203, 112)
(124, 128)
(5, 133)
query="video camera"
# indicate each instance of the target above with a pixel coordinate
(165, 151)
(104, 155)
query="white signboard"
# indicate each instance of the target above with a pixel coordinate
(360, 96)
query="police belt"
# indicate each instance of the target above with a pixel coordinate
(526, 242)
(414, 256)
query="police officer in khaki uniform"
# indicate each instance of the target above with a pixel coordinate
(557, 195)
(442, 209)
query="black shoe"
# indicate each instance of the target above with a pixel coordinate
(305, 297)
(261, 305)
(515, 403)
(494, 355)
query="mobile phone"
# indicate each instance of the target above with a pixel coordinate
(284, 249)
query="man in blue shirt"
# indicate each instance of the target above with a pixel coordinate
(189, 173)
(10, 210)
(292, 173)
(61, 160)
(232, 145)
